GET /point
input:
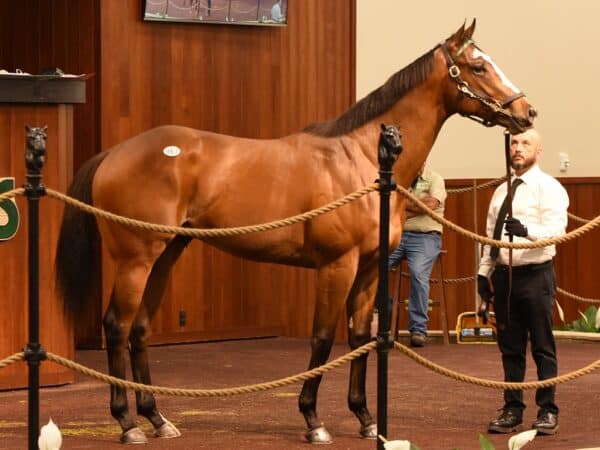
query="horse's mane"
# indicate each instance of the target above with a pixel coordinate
(378, 101)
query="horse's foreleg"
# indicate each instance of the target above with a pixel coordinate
(140, 333)
(125, 299)
(333, 285)
(360, 308)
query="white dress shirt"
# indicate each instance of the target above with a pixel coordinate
(541, 204)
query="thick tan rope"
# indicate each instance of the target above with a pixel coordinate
(472, 278)
(446, 280)
(491, 183)
(316, 372)
(496, 384)
(12, 359)
(496, 182)
(214, 232)
(577, 218)
(10, 194)
(577, 297)
(504, 244)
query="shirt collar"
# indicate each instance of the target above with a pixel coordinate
(530, 175)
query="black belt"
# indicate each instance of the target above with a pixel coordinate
(424, 232)
(525, 267)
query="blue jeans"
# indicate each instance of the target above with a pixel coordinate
(420, 250)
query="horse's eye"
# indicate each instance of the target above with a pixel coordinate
(478, 69)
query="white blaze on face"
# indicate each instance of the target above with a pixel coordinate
(479, 54)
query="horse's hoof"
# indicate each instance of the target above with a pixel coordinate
(167, 430)
(369, 431)
(133, 436)
(318, 435)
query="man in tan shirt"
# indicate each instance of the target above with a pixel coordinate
(420, 245)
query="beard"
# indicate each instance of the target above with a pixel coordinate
(523, 163)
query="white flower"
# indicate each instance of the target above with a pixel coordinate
(561, 313)
(397, 445)
(598, 318)
(518, 441)
(50, 437)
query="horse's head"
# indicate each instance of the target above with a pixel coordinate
(479, 89)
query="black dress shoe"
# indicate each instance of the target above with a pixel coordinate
(417, 340)
(508, 422)
(546, 423)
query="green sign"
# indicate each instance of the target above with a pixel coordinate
(9, 214)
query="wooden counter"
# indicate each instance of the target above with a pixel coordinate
(35, 101)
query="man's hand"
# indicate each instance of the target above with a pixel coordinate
(515, 227)
(484, 291)
(483, 288)
(413, 210)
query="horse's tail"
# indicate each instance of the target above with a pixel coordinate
(78, 275)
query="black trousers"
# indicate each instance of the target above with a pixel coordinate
(528, 312)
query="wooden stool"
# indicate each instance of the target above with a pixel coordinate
(441, 303)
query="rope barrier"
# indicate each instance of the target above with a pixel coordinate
(503, 244)
(496, 384)
(446, 280)
(577, 218)
(313, 373)
(491, 183)
(12, 193)
(214, 232)
(577, 297)
(472, 278)
(198, 232)
(496, 182)
(12, 359)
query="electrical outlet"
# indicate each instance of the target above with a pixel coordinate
(564, 162)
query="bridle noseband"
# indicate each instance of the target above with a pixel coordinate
(496, 106)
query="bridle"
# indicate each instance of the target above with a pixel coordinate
(496, 106)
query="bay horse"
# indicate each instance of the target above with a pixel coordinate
(188, 168)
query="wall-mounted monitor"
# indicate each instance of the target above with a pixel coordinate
(232, 12)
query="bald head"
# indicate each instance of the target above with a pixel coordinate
(531, 135)
(525, 150)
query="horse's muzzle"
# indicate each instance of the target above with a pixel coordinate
(532, 114)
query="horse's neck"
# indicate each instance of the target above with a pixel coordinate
(420, 115)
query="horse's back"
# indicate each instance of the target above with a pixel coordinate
(207, 180)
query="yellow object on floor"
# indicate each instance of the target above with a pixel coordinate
(471, 330)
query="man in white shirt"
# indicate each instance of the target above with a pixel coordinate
(539, 211)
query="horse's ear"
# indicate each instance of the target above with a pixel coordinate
(458, 36)
(469, 31)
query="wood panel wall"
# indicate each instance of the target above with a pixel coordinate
(37, 34)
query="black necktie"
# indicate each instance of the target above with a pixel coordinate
(494, 251)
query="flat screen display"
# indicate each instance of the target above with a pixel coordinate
(233, 12)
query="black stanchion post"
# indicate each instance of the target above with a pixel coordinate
(35, 152)
(388, 151)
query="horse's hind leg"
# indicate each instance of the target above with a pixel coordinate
(140, 333)
(333, 285)
(126, 297)
(360, 308)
